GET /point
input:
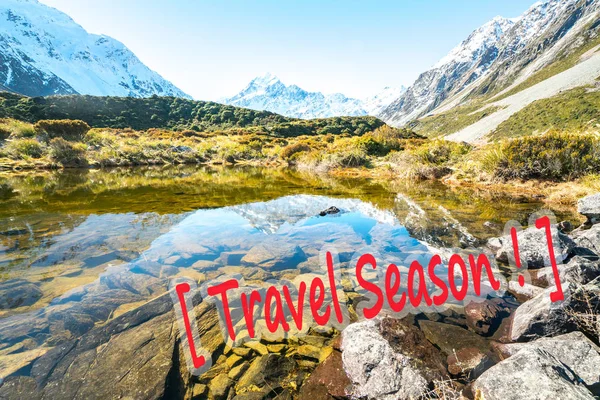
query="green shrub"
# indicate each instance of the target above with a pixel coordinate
(24, 149)
(67, 153)
(15, 129)
(291, 149)
(73, 130)
(554, 156)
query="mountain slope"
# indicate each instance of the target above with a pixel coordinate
(43, 52)
(546, 40)
(268, 93)
(461, 66)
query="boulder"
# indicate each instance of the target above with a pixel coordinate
(531, 374)
(578, 270)
(331, 210)
(533, 247)
(375, 369)
(484, 317)
(525, 292)
(574, 350)
(274, 255)
(18, 293)
(588, 242)
(589, 207)
(540, 317)
(219, 387)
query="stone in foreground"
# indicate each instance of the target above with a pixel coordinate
(531, 374)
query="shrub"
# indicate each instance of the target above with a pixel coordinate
(67, 129)
(292, 149)
(24, 148)
(554, 156)
(15, 129)
(67, 153)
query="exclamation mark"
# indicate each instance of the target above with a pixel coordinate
(513, 234)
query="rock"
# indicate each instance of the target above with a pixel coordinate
(450, 338)
(540, 317)
(589, 207)
(484, 317)
(218, 387)
(276, 348)
(574, 350)
(231, 257)
(258, 347)
(242, 351)
(18, 293)
(468, 363)
(19, 387)
(236, 372)
(199, 391)
(130, 356)
(578, 270)
(565, 226)
(405, 338)
(530, 374)
(331, 210)
(11, 363)
(525, 292)
(375, 369)
(588, 242)
(266, 371)
(308, 351)
(533, 247)
(327, 380)
(274, 255)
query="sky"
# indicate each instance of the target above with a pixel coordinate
(212, 49)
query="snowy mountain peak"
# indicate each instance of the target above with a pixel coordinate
(45, 52)
(267, 92)
(479, 41)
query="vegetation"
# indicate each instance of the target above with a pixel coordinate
(451, 121)
(574, 110)
(64, 128)
(173, 114)
(554, 156)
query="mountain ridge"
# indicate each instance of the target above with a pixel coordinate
(45, 52)
(267, 92)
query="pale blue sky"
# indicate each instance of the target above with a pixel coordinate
(212, 49)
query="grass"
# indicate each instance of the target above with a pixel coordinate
(451, 121)
(574, 110)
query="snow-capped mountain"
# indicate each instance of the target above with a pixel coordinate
(375, 104)
(462, 65)
(498, 54)
(44, 52)
(268, 93)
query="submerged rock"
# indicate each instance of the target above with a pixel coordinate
(18, 293)
(485, 317)
(274, 255)
(531, 374)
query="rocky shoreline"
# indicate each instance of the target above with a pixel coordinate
(520, 346)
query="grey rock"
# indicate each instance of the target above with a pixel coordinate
(574, 350)
(531, 374)
(589, 207)
(375, 369)
(533, 247)
(588, 239)
(578, 270)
